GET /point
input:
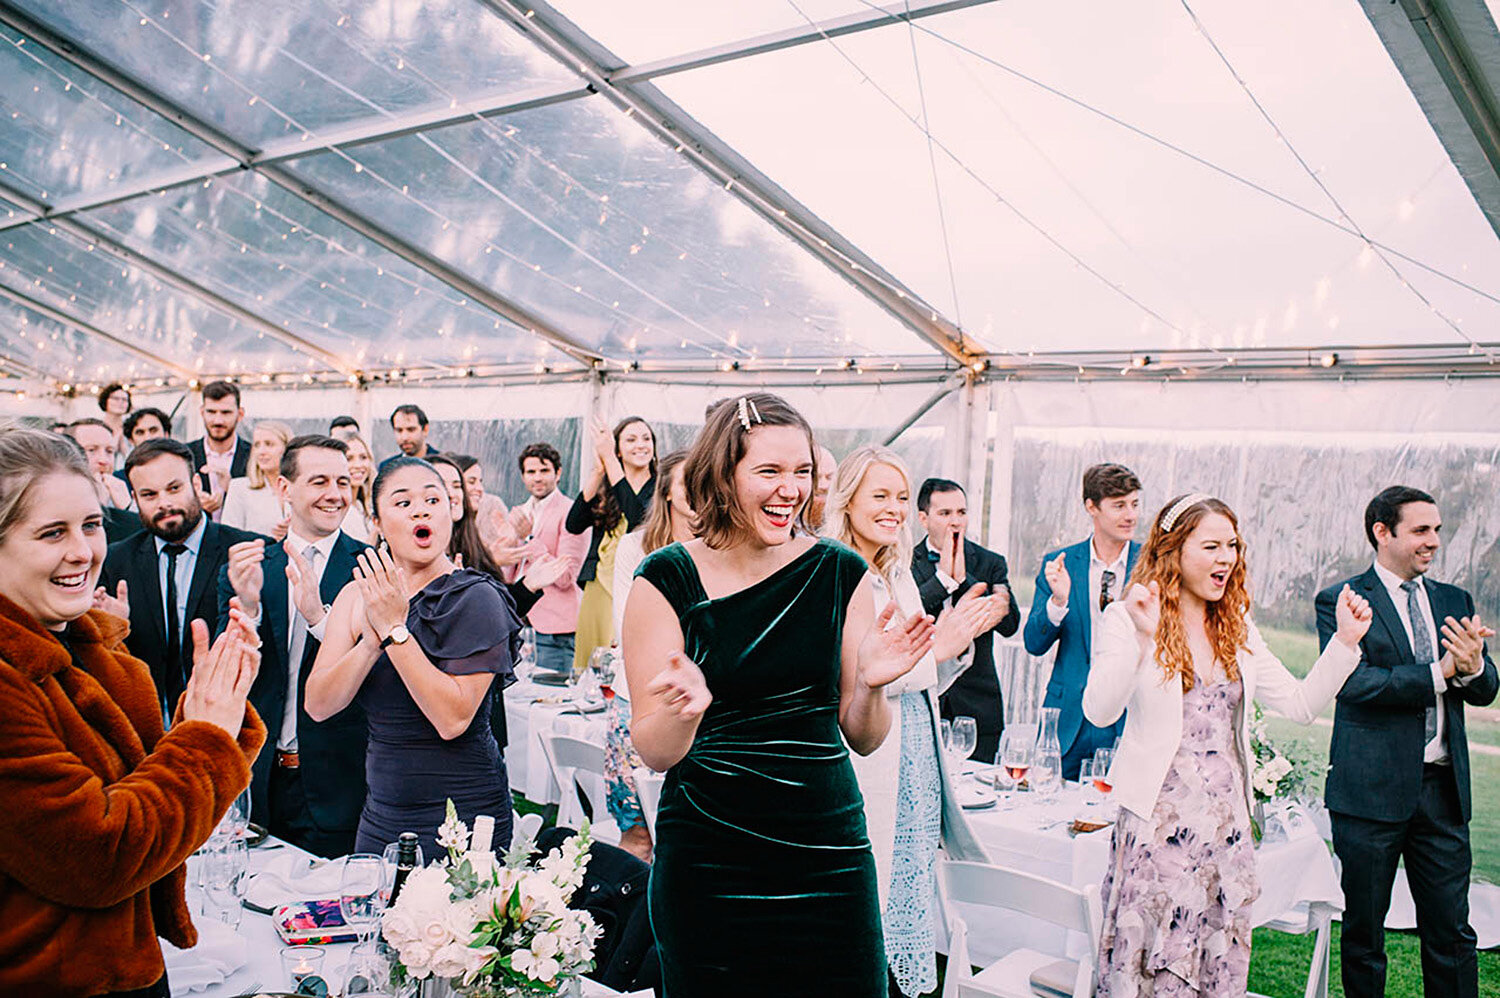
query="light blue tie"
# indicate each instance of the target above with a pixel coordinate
(1421, 645)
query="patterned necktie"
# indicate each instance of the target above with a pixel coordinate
(1421, 645)
(1106, 583)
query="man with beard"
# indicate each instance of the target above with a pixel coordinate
(828, 467)
(164, 578)
(221, 453)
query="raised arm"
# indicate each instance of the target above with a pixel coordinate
(1040, 633)
(877, 650)
(348, 651)
(1121, 651)
(1389, 682)
(1303, 700)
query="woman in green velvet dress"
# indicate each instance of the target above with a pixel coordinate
(753, 652)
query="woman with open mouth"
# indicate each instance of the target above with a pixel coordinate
(419, 642)
(1182, 654)
(756, 660)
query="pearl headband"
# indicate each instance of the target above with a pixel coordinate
(1179, 507)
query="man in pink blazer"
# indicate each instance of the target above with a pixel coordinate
(554, 618)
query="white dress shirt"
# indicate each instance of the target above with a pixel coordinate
(1437, 749)
(186, 563)
(316, 553)
(1097, 567)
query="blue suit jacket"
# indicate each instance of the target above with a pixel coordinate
(1073, 637)
(332, 751)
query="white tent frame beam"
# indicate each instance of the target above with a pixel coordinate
(575, 50)
(88, 329)
(77, 57)
(1448, 51)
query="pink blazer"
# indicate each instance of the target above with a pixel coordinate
(557, 610)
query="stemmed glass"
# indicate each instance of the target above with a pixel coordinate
(225, 870)
(1103, 759)
(362, 887)
(1017, 751)
(963, 739)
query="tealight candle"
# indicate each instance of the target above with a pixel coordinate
(301, 961)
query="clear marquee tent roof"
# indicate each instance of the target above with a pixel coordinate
(326, 192)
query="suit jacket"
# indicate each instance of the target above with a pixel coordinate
(556, 612)
(976, 693)
(1074, 637)
(135, 560)
(239, 465)
(1379, 723)
(332, 751)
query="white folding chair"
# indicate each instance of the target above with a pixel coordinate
(1072, 908)
(527, 826)
(648, 788)
(578, 768)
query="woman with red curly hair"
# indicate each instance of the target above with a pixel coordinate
(1182, 654)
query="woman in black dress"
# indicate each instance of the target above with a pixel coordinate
(419, 643)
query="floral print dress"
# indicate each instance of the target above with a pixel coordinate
(1179, 888)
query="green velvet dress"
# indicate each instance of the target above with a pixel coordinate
(763, 882)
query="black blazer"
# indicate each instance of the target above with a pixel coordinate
(976, 693)
(633, 506)
(333, 751)
(1379, 723)
(135, 560)
(239, 465)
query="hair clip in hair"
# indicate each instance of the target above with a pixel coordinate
(747, 411)
(1179, 507)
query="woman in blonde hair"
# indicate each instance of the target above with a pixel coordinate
(254, 502)
(908, 792)
(358, 522)
(1182, 654)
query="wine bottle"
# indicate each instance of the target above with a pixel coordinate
(406, 861)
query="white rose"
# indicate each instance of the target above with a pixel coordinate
(398, 927)
(417, 959)
(425, 890)
(450, 961)
(460, 918)
(434, 932)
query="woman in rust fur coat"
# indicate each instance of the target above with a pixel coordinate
(98, 808)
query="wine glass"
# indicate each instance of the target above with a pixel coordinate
(964, 737)
(1103, 759)
(361, 892)
(1017, 750)
(945, 735)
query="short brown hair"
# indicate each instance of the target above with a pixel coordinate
(1108, 481)
(709, 473)
(27, 456)
(542, 452)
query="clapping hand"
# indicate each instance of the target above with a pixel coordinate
(681, 688)
(245, 573)
(303, 586)
(960, 623)
(951, 558)
(999, 606)
(520, 522)
(383, 585)
(893, 645)
(544, 571)
(278, 532)
(1143, 603)
(1463, 640)
(1354, 616)
(118, 604)
(1056, 574)
(218, 484)
(222, 673)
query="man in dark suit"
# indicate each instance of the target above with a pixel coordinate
(946, 565)
(308, 787)
(221, 453)
(1398, 778)
(162, 578)
(1074, 586)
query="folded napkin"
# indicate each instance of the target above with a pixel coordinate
(291, 877)
(220, 952)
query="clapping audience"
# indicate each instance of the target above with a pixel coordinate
(254, 503)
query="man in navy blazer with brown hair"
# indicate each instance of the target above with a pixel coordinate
(1398, 778)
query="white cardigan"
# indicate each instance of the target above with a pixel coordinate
(1122, 674)
(879, 773)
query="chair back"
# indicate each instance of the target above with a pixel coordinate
(566, 757)
(1074, 908)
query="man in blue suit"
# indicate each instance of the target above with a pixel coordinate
(1398, 765)
(1074, 586)
(308, 786)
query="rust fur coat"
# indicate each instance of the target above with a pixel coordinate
(98, 809)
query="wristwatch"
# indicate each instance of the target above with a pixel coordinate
(398, 636)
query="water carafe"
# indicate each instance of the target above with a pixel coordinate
(1046, 768)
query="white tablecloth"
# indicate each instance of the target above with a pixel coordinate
(1296, 872)
(262, 967)
(529, 710)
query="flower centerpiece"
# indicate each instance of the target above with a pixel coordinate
(493, 929)
(1274, 774)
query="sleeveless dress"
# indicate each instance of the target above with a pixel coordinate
(466, 623)
(763, 881)
(1177, 901)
